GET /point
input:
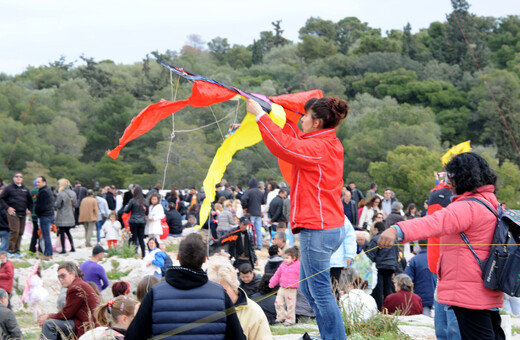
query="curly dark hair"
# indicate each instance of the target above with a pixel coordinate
(469, 171)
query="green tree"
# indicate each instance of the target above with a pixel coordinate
(407, 170)
(219, 47)
(455, 47)
(506, 91)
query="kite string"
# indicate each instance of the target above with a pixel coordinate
(485, 81)
(172, 135)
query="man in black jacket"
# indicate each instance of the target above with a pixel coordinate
(45, 212)
(276, 207)
(242, 248)
(252, 201)
(16, 199)
(164, 310)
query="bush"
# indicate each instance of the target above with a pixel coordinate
(125, 251)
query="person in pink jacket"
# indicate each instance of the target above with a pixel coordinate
(287, 275)
(460, 277)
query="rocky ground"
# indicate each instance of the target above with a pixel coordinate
(418, 327)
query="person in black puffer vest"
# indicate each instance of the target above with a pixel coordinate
(184, 298)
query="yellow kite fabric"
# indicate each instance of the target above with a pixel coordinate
(246, 135)
(457, 149)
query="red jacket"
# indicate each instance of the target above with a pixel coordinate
(317, 173)
(80, 304)
(409, 303)
(6, 276)
(460, 278)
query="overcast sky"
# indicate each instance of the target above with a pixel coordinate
(36, 32)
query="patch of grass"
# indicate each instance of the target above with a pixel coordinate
(47, 264)
(515, 330)
(125, 251)
(30, 329)
(379, 326)
(117, 275)
(297, 329)
(172, 248)
(21, 264)
(115, 265)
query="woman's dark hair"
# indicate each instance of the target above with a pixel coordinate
(138, 195)
(372, 200)
(263, 285)
(469, 171)
(120, 288)
(331, 110)
(152, 239)
(410, 207)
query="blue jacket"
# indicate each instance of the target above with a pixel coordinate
(347, 249)
(422, 277)
(182, 300)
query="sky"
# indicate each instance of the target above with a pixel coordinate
(37, 32)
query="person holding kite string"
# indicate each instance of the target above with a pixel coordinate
(316, 156)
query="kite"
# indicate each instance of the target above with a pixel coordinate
(457, 149)
(282, 109)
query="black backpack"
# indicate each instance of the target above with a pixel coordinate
(501, 270)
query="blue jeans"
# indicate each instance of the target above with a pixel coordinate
(45, 226)
(99, 225)
(446, 324)
(317, 247)
(257, 225)
(52, 327)
(4, 238)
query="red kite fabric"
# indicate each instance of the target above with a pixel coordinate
(202, 94)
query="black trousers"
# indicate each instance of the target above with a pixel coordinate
(137, 230)
(34, 238)
(479, 324)
(62, 231)
(384, 287)
(335, 280)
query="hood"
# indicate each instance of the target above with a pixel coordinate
(185, 278)
(253, 183)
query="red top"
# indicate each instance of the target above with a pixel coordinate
(408, 303)
(6, 276)
(317, 173)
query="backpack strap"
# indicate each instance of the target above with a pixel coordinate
(463, 235)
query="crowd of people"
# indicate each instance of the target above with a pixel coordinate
(341, 253)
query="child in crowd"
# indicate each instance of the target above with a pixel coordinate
(155, 215)
(154, 259)
(287, 275)
(112, 230)
(274, 261)
(36, 293)
(114, 317)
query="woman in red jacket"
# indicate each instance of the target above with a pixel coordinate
(316, 156)
(460, 277)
